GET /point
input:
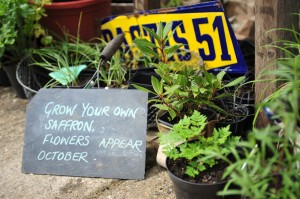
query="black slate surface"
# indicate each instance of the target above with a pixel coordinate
(86, 132)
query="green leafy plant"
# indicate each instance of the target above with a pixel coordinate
(66, 75)
(65, 60)
(114, 75)
(183, 88)
(269, 165)
(187, 141)
(159, 51)
(20, 28)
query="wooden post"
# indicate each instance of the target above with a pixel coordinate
(270, 14)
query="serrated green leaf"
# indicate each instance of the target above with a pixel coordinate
(191, 171)
(203, 152)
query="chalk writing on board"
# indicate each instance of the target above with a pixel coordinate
(63, 156)
(66, 140)
(98, 135)
(69, 125)
(87, 110)
(53, 110)
(111, 143)
(56, 109)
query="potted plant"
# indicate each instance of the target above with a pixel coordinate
(115, 73)
(68, 63)
(72, 63)
(270, 164)
(194, 175)
(237, 116)
(184, 86)
(142, 77)
(20, 32)
(63, 16)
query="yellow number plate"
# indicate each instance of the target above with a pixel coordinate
(208, 34)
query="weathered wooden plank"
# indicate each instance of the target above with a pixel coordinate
(270, 14)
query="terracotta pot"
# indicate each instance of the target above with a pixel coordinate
(65, 16)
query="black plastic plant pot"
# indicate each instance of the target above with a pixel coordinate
(188, 190)
(142, 77)
(4, 81)
(237, 119)
(11, 74)
(250, 117)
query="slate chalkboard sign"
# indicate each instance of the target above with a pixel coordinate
(86, 132)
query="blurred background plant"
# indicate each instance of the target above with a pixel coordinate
(267, 165)
(20, 29)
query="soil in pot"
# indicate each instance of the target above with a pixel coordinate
(210, 176)
(204, 186)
